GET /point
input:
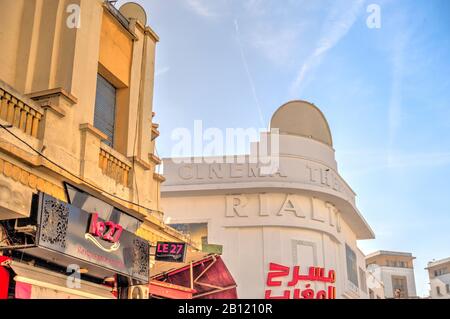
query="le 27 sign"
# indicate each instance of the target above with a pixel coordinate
(171, 252)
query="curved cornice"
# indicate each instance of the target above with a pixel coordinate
(350, 213)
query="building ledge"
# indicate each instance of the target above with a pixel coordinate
(141, 162)
(154, 159)
(159, 177)
(53, 92)
(86, 127)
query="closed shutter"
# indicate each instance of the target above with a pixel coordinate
(105, 108)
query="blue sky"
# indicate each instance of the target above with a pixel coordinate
(385, 93)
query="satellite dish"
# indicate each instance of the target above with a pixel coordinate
(132, 10)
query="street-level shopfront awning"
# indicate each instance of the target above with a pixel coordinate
(206, 275)
(33, 282)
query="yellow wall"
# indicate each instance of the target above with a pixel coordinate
(116, 47)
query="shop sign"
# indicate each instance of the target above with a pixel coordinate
(109, 232)
(170, 252)
(293, 291)
(73, 232)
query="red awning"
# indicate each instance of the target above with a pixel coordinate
(170, 291)
(209, 277)
(4, 277)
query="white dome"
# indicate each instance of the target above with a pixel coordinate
(304, 119)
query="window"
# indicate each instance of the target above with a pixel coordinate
(440, 272)
(196, 231)
(362, 279)
(447, 288)
(371, 294)
(438, 290)
(352, 273)
(105, 108)
(399, 285)
(395, 263)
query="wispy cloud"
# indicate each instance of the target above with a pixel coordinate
(249, 75)
(276, 44)
(201, 8)
(338, 23)
(395, 101)
(398, 51)
(255, 7)
(162, 71)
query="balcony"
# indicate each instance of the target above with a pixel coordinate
(19, 112)
(113, 167)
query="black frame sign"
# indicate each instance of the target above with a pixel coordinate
(75, 233)
(170, 252)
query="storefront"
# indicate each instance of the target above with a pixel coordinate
(82, 249)
(289, 232)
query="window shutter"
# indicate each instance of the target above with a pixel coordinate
(105, 108)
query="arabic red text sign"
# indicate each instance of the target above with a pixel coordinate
(292, 279)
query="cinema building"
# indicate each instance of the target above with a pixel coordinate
(291, 233)
(79, 190)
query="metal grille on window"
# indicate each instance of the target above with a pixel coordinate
(352, 273)
(105, 108)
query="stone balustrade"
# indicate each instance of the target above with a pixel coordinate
(19, 113)
(113, 167)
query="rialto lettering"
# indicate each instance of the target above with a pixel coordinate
(237, 206)
(315, 274)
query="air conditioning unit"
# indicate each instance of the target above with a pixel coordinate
(138, 292)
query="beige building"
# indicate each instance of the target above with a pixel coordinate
(439, 274)
(393, 272)
(76, 100)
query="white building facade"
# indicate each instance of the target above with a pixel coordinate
(301, 214)
(392, 271)
(439, 273)
(375, 286)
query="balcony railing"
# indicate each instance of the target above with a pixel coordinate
(114, 168)
(19, 114)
